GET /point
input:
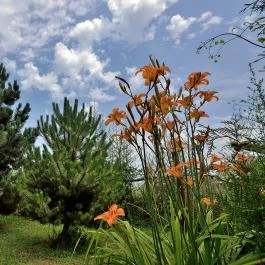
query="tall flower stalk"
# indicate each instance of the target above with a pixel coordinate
(166, 131)
(164, 128)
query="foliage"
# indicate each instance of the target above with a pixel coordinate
(243, 198)
(9, 194)
(124, 157)
(256, 7)
(66, 182)
(246, 127)
(135, 246)
(11, 139)
(215, 44)
(166, 131)
(255, 107)
(241, 194)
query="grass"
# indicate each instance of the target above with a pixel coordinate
(27, 242)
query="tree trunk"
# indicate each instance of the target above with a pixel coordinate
(64, 237)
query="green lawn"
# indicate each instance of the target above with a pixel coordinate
(27, 242)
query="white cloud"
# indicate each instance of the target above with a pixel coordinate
(8, 8)
(83, 71)
(31, 78)
(50, 19)
(90, 31)
(98, 94)
(178, 25)
(80, 7)
(27, 55)
(77, 66)
(71, 62)
(191, 36)
(10, 65)
(205, 16)
(136, 82)
(75, 63)
(132, 19)
(208, 20)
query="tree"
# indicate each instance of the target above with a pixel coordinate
(125, 158)
(11, 140)
(215, 44)
(71, 179)
(246, 127)
(255, 106)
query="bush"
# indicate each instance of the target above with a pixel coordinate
(9, 193)
(243, 197)
(68, 181)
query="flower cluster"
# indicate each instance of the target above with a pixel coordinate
(158, 112)
(167, 125)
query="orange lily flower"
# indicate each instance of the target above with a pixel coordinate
(185, 102)
(215, 158)
(177, 170)
(200, 137)
(166, 102)
(206, 200)
(221, 166)
(137, 100)
(111, 216)
(150, 73)
(218, 163)
(146, 124)
(168, 124)
(197, 114)
(208, 95)
(240, 157)
(116, 116)
(195, 79)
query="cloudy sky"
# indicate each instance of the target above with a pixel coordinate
(74, 48)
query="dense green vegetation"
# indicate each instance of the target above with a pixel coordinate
(191, 205)
(200, 207)
(68, 181)
(12, 119)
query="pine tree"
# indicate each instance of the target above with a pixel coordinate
(71, 179)
(11, 139)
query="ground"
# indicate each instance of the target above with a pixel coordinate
(26, 242)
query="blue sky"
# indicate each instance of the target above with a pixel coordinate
(74, 48)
